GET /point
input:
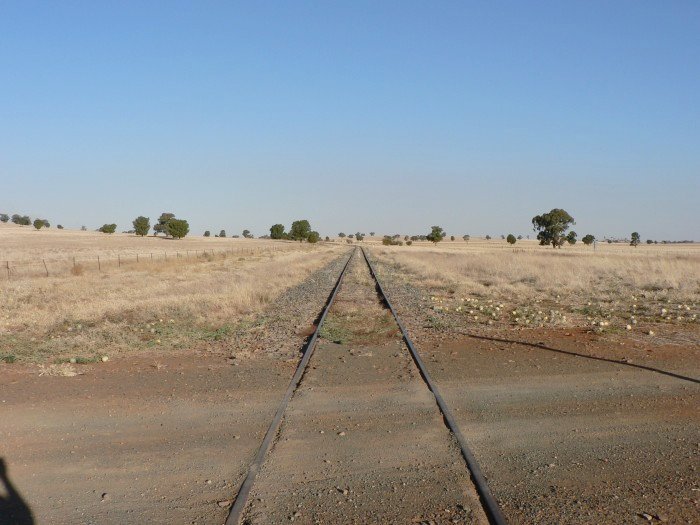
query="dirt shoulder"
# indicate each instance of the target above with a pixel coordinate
(565, 425)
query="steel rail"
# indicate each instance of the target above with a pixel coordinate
(239, 504)
(489, 503)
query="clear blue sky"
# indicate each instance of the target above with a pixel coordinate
(372, 116)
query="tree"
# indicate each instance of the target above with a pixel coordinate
(83, 228)
(22, 220)
(247, 235)
(552, 226)
(178, 228)
(141, 225)
(47, 224)
(649, 241)
(588, 239)
(503, 237)
(162, 226)
(488, 237)
(207, 233)
(4, 217)
(359, 236)
(635, 239)
(452, 237)
(520, 237)
(107, 228)
(38, 224)
(327, 238)
(466, 238)
(511, 238)
(222, 233)
(351, 236)
(60, 227)
(341, 235)
(436, 234)
(313, 237)
(300, 230)
(277, 231)
(571, 237)
(371, 234)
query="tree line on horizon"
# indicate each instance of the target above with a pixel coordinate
(553, 228)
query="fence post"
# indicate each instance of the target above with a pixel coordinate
(137, 257)
(8, 268)
(45, 267)
(119, 260)
(99, 266)
(74, 261)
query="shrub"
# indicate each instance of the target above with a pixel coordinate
(4, 217)
(452, 238)
(635, 239)
(409, 243)
(588, 239)
(60, 227)
(488, 237)
(511, 238)
(207, 233)
(247, 235)
(141, 225)
(649, 241)
(108, 228)
(466, 238)
(313, 237)
(178, 228)
(327, 238)
(341, 235)
(391, 241)
(222, 233)
(571, 237)
(359, 236)
(38, 224)
(371, 234)
(83, 229)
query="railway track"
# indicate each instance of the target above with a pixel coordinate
(486, 499)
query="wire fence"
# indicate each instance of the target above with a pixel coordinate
(82, 263)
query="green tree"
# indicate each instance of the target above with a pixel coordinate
(246, 234)
(371, 234)
(83, 228)
(466, 238)
(300, 230)
(452, 237)
(511, 238)
(60, 227)
(207, 233)
(277, 231)
(359, 236)
(436, 234)
(4, 217)
(142, 225)
(635, 239)
(313, 237)
(222, 233)
(38, 224)
(488, 237)
(162, 226)
(552, 226)
(107, 228)
(588, 239)
(571, 237)
(341, 235)
(178, 228)
(649, 241)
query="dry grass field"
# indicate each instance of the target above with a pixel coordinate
(614, 287)
(180, 302)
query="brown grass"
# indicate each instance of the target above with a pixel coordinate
(173, 304)
(579, 284)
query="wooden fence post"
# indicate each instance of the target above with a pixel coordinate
(45, 267)
(99, 266)
(119, 260)
(8, 268)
